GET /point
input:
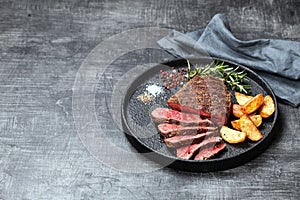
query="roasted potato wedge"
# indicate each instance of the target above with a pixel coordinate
(256, 119)
(242, 98)
(237, 110)
(236, 124)
(232, 136)
(253, 104)
(248, 127)
(268, 107)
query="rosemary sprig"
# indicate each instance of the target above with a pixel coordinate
(231, 76)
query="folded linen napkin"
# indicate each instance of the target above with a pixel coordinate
(276, 61)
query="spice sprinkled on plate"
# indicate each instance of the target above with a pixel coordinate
(154, 90)
(145, 98)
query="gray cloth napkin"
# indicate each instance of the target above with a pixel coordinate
(276, 61)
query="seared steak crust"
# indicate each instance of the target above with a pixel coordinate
(204, 95)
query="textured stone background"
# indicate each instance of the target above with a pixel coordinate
(43, 44)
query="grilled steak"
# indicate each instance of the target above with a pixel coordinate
(170, 130)
(206, 96)
(187, 152)
(165, 115)
(183, 140)
(209, 152)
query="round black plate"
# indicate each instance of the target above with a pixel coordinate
(143, 135)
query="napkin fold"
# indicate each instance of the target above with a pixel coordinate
(276, 61)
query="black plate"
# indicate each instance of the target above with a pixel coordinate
(143, 135)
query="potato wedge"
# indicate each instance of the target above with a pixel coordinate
(248, 127)
(232, 136)
(268, 107)
(236, 124)
(256, 119)
(242, 98)
(237, 110)
(253, 104)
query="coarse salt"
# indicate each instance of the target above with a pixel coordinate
(154, 89)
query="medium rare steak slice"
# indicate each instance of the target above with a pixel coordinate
(170, 130)
(209, 152)
(204, 95)
(187, 152)
(165, 115)
(183, 140)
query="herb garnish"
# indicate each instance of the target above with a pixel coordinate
(228, 74)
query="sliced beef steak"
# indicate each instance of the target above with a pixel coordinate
(165, 115)
(210, 152)
(206, 96)
(183, 140)
(170, 130)
(187, 152)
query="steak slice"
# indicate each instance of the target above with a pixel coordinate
(183, 140)
(209, 152)
(206, 96)
(187, 152)
(170, 130)
(165, 115)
